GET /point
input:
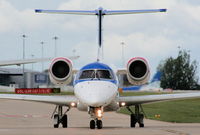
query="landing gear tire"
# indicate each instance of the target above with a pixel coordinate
(64, 121)
(133, 121)
(141, 125)
(60, 117)
(92, 124)
(136, 117)
(56, 121)
(141, 120)
(99, 124)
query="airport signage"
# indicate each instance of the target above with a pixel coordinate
(33, 91)
(40, 78)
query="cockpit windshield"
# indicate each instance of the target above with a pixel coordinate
(96, 74)
(105, 74)
(87, 74)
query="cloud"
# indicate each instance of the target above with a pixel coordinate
(154, 36)
(13, 19)
(137, 44)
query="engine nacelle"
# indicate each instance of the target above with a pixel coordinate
(60, 71)
(138, 71)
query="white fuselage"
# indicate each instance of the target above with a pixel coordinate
(95, 85)
(96, 93)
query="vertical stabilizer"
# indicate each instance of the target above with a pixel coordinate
(100, 12)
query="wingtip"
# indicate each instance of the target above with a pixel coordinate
(163, 10)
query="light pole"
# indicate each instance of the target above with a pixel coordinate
(32, 56)
(123, 59)
(24, 37)
(42, 43)
(55, 38)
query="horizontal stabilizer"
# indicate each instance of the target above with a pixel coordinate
(96, 12)
(118, 12)
(77, 12)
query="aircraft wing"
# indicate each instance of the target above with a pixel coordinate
(134, 100)
(28, 61)
(19, 62)
(57, 100)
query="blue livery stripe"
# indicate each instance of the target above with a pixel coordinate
(163, 10)
(96, 65)
(79, 81)
(38, 10)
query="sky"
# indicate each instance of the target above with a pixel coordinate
(152, 36)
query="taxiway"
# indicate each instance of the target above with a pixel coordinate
(28, 118)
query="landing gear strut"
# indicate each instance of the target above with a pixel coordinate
(60, 117)
(136, 117)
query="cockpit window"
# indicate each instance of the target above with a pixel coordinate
(105, 74)
(87, 74)
(96, 74)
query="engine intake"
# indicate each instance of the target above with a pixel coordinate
(138, 71)
(61, 71)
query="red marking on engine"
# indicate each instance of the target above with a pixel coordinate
(62, 58)
(137, 58)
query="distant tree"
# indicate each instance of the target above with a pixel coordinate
(179, 73)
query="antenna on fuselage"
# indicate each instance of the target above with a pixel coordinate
(100, 12)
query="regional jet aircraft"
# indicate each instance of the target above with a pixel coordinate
(96, 84)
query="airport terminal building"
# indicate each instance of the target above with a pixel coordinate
(14, 77)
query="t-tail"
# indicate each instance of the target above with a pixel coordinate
(100, 12)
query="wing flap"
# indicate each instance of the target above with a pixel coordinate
(58, 100)
(133, 100)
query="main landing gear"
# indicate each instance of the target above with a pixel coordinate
(96, 115)
(60, 117)
(136, 117)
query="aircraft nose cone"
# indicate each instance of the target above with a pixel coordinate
(96, 93)
(96, 100)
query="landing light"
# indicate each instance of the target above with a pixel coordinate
(123, 104)
(99, 113)
(73, 104)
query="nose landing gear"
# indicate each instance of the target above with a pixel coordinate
(96, 123)
(96, 115)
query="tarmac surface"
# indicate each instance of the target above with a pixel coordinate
(28, 118)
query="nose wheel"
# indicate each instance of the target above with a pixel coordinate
(99, 124)
(92, 124)
(96, 123)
